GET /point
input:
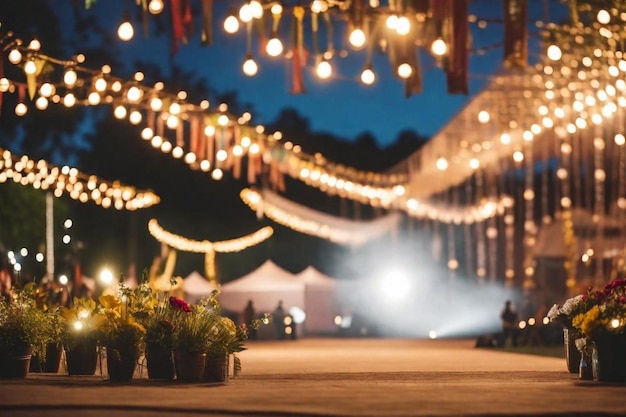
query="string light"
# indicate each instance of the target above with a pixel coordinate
(70, 181)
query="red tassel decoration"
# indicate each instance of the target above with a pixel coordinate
(178, 30)
(298, 51)
(194, 135)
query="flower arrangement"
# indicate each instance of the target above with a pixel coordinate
(192, 326)
(566, 312)
(80, 323)
(605, 311)
(119, 328)
(23, 324)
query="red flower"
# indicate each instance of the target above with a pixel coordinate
(180, 304)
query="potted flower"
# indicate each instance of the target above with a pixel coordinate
(121, 335)
(80, 324)
(22, 332)
(564, 314)
(53, 329)
(191, 340)
(603, 323)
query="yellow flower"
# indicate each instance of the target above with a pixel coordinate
(110, 301)
(229, 325)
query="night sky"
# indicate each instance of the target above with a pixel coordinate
(340, 105)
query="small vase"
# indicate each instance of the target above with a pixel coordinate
(608, 359)
(572, 354)
(585, 370)
(82, 359)
(159, 362)
(121, 362)
(15, 363)
(216, 368)
(189, 365)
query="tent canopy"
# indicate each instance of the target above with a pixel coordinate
(311, 277)
(196, 284)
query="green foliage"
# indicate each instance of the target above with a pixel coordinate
(23, 323)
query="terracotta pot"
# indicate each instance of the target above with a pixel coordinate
(189, 365)
(121, 362)
(14, 363)
(159, 362)
(216, 367)
(82, 359)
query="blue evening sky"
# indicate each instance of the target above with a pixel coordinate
(341, 105)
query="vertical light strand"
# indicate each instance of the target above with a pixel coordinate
(530, 227)
(569, 240)
(599, 175)
(509, 222)
(621, 183)
(481, 255)
(467, 232)
(453, 263)
(491, 231)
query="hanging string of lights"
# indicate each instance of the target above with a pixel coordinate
(70, 181)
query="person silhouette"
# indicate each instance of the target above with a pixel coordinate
(278, 318)
(248, 317)
(509, 324)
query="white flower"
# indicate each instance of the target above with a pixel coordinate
(581, 343)
(553, 313)
(569, 304)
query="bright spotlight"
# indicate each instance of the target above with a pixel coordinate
(394, 285)
(63, 280)
(432, 334)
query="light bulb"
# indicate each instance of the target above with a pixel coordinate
(69, 100)
(126, 31)
(245, 13)
(155, 6)
(34, 45)
(135, 117)
(250, 67)
(256, 9)
(603, 16)
(120, 112)
(156, 104)
(274, 47)
(357, 38)
(319, 6)
(172, 122)
(217, 174)
(324, 70)
(134, 94)
(405, 70)
(439, 47)
(554, 52)
(70, 77)
(276, 9)
(231, 24)
(392, 22)
(403, 27)
(15, 56)
(93, 98)
(100, 84)
(190, 158)
(174, 108)
(46, 90)
(41, 103)
(368, 77)
(147, 133)
(30, 67)
(21, 109)
(5, 84)
(177, 152)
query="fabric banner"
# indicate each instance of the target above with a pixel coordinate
(298, 51)
(194, 136)
(459, 55)
(515, 33)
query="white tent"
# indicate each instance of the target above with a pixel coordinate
(320, 304)
(265, 286)
(195, 284)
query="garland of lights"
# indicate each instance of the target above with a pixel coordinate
(77, 185)
(449, 213)
(308, 221)
(208, 248)
(211, 141)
